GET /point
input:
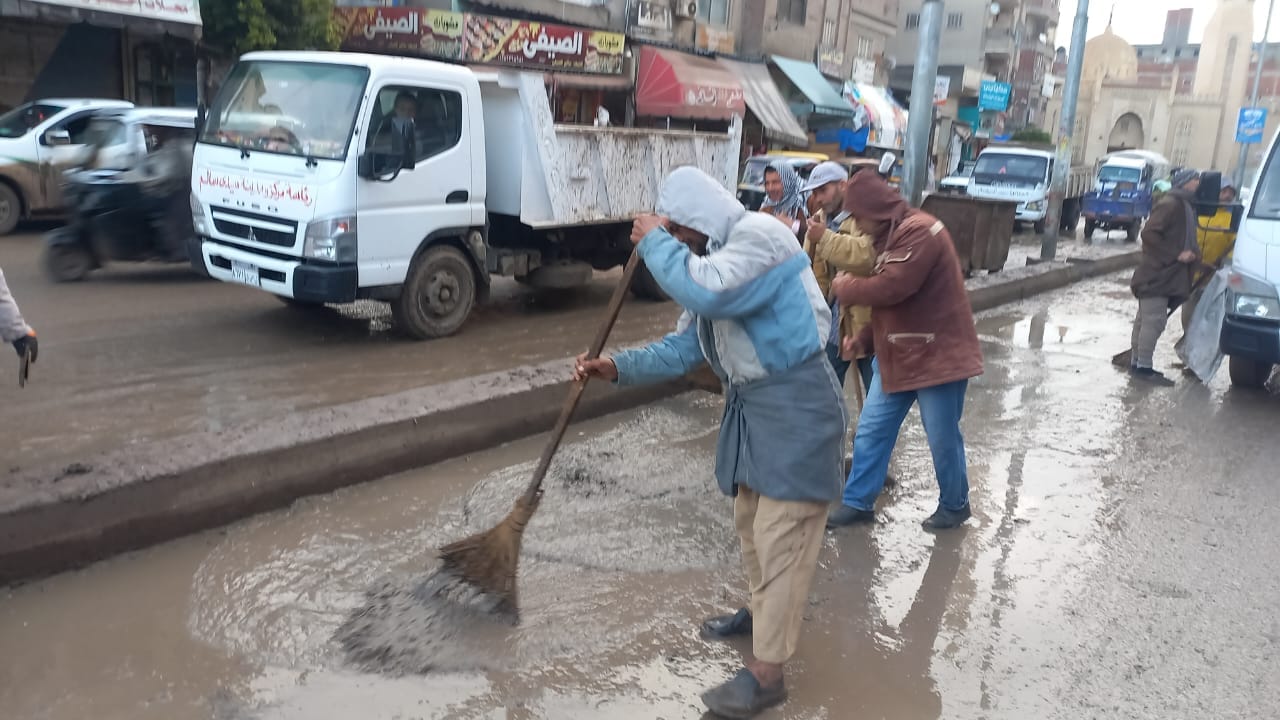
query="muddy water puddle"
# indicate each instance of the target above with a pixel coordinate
(633, 545)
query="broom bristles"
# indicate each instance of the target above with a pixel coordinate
(488, 561)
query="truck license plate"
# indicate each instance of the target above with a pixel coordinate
(245, 273)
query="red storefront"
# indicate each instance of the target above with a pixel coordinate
(679, 89)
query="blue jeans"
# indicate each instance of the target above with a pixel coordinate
(842, 366)
(940, 409)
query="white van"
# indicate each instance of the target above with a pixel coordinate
(1251, 329)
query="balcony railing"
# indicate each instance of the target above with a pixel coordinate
(999, 42)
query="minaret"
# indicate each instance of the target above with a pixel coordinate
(1222, 73)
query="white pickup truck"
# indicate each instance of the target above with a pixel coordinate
(331, 177)
(1023, 174)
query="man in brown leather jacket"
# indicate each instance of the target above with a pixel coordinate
(926, 350)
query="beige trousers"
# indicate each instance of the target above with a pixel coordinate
(780, 544)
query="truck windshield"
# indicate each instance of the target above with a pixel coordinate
(20, 120)
(1013, 169)
(1265, 203)
(290, 108)
(1114, 174)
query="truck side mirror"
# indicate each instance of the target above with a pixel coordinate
(55, 138)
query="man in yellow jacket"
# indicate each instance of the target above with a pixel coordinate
(835, 244)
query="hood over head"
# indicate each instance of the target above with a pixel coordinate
(694, 199)
(869, 197)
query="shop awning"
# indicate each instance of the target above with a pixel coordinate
(887, 119)
(675, 84)
(823, 99)
(766, 102)
(149, 17)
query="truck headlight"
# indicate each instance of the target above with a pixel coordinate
(1251, 298)
(331, 240)
(198, 221)
(1256, 306)
(1035, 206)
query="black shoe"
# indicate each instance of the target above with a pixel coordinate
(742, 696)
(844, 516)
(1151, 376)
(944, 519)
(723, 627)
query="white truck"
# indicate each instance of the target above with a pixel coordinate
(1023, 174)
(325, 178)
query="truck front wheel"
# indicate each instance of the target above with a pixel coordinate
(1089, 228)
(1132, 231)
(437, 295)
(10, 209)
(1247, 373)
(1038, 226)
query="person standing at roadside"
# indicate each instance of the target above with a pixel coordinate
(13, 329)
(783, 198)
(926, 350)
(753, 312)
(1162, 282)
(835, 244)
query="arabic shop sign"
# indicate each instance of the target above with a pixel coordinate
(505, 41)
(183, 11)
(478, 39)
(651, 20)
(994, 95)
(434, 33)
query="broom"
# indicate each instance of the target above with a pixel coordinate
(487, 562)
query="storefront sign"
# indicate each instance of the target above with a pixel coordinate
(436, 33)
(183, 11)
(504, 41)
(712, 39)
(864, 71)
(831, 63)
(651, 19)
(994, 95)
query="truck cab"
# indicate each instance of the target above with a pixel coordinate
(1251, 326)
(1015, 174)
(324, 178)
(1122, 195)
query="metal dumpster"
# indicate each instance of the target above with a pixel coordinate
(980, 229)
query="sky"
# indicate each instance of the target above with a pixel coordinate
(1141, 22)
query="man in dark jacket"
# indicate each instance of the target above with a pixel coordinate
(926, 350)
(1162, 281)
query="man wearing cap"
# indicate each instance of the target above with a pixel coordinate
(1162, 282)
(835, 244)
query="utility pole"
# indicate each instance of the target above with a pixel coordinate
(920, 120)
(1067, 126)
(1253, 99)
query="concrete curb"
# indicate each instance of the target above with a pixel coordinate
(61, 518)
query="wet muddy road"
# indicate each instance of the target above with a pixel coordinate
(141, 352)
(1119, 564)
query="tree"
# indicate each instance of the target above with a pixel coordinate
(1032, 135)
(240, 26)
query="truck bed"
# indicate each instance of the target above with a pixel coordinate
(552, 175)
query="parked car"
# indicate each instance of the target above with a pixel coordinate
(751, 188)
(129, 196)
(38, 141)
(957, 183)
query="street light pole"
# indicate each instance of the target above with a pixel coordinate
(1253, 98)
(1067, 126)
(920, 120)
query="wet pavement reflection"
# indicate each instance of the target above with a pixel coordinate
(1118, 565)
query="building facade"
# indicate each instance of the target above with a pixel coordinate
(1124, 104)
(1007, 41)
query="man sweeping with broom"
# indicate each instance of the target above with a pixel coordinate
(754, 313)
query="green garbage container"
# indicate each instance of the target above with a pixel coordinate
(980, 229)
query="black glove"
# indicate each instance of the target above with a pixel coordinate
(27, 343)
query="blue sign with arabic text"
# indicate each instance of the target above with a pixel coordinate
(1251, 125)
(994, 95)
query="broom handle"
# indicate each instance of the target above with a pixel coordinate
(576, 388)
